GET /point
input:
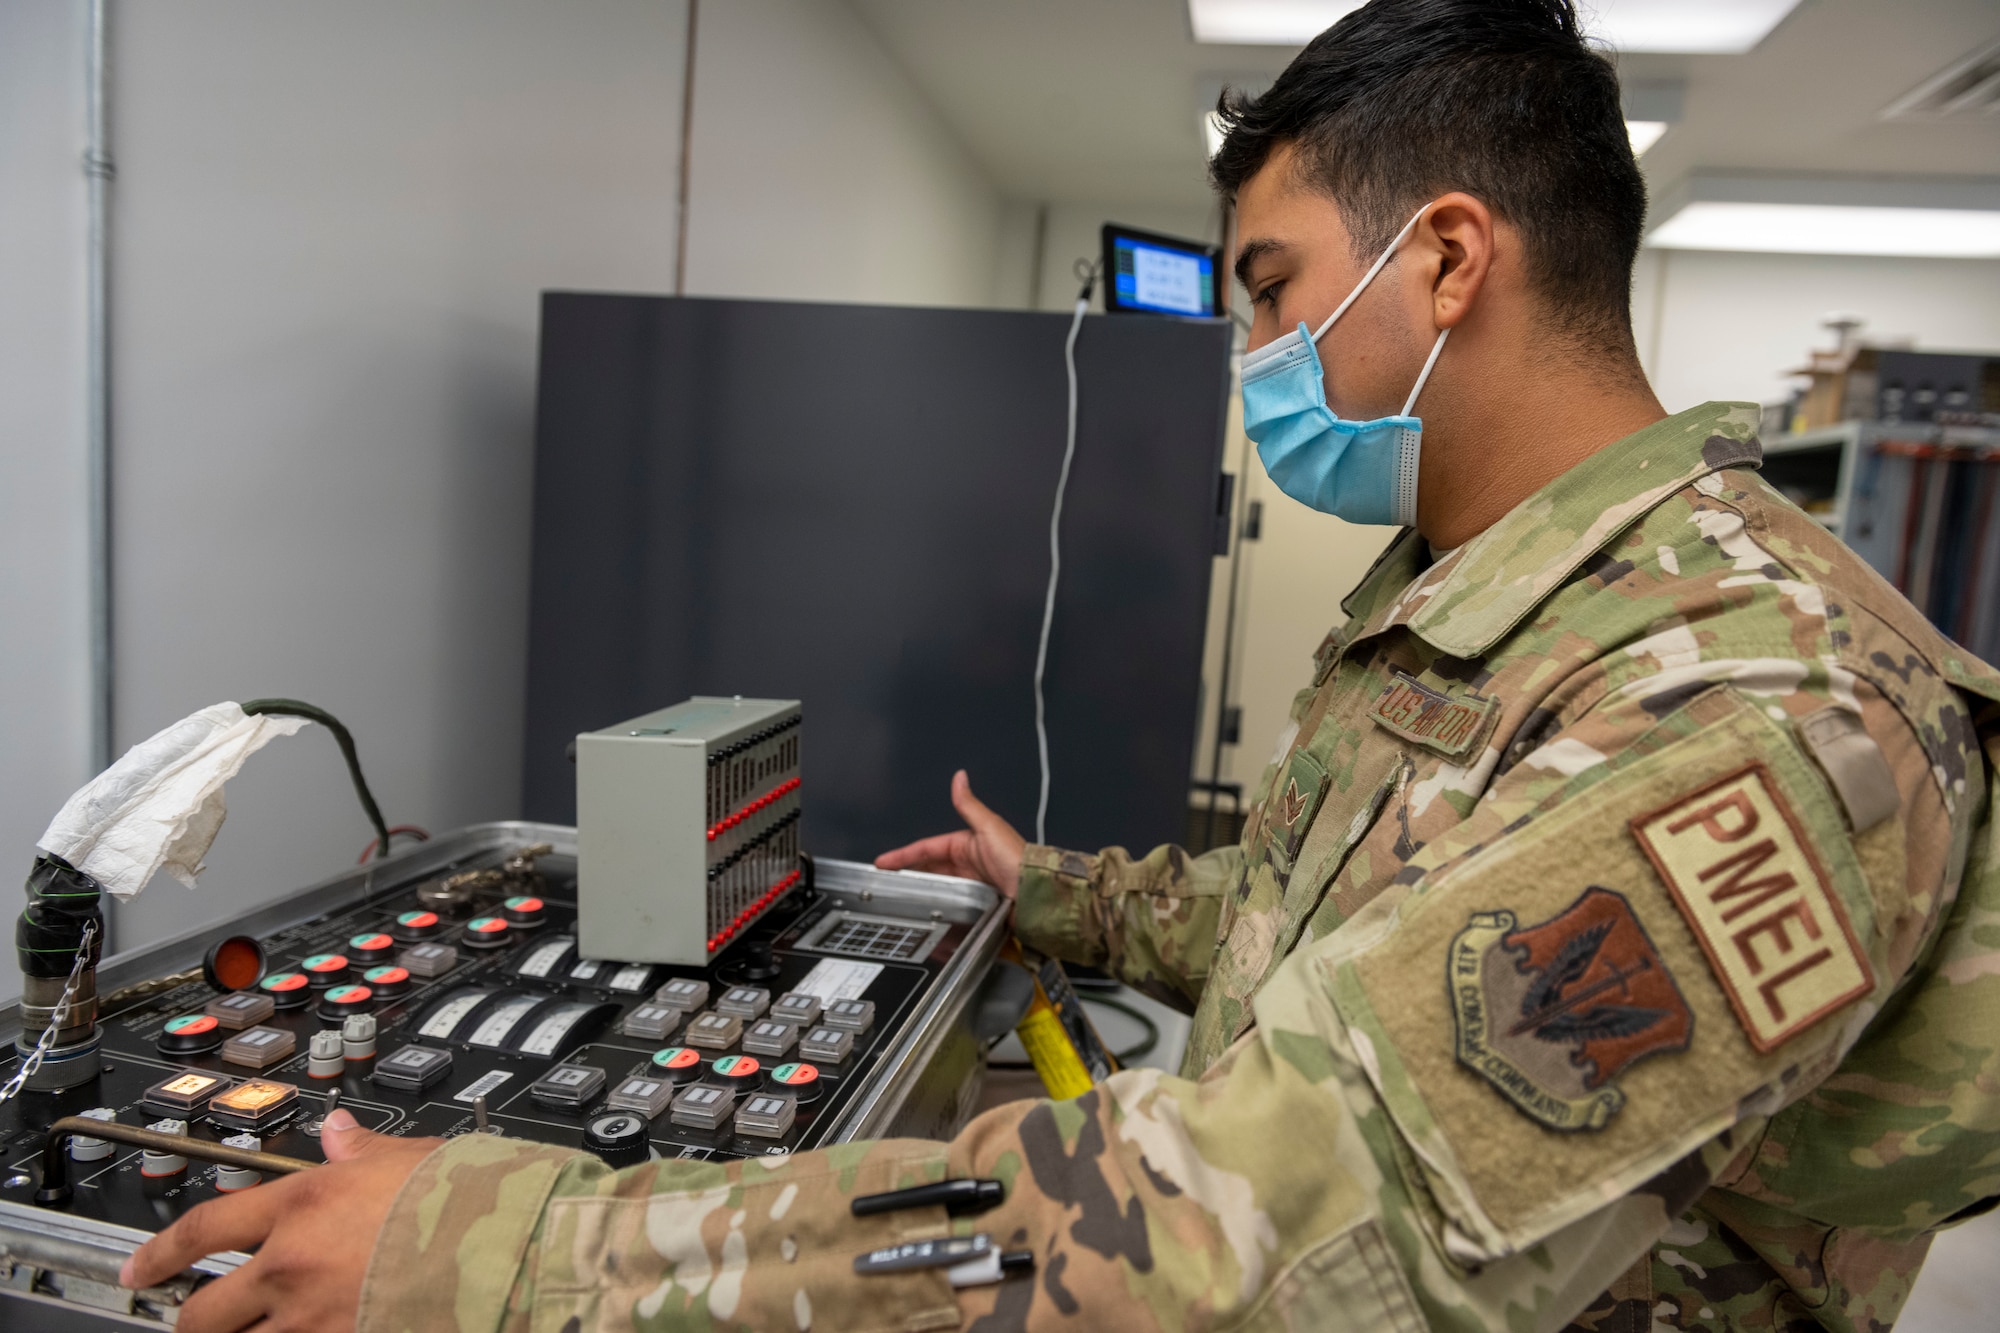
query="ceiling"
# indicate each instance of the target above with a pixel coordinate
(1099, 100)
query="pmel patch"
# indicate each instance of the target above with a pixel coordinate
(1551, 1014)
(1737, 863)
(1447, 723)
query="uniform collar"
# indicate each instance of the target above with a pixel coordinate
(1470, 599)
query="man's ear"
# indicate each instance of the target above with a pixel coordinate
(1457, 239)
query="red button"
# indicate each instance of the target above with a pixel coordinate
(190, 1024)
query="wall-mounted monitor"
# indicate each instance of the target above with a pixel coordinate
(1145, 273)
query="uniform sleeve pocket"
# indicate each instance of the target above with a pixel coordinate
(1564, 1013)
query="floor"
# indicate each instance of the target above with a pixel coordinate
(1958, 1291)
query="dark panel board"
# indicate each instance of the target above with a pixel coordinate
(849, 505)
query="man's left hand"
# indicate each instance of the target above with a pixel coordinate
(313, 1232)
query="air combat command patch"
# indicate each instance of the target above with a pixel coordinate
(1551, 1014)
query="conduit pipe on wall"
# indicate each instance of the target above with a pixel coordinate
(687, 150)
(97, 372)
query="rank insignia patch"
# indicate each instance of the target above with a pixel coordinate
(1551, 1014)
(1448, 723)
(1295, 799)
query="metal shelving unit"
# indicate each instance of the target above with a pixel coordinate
(1917, 501)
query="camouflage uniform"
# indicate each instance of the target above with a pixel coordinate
(1617, 916)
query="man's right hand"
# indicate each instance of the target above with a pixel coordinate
(987, 849)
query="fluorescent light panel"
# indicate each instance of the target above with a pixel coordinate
(1700, 26)
(1832, 229)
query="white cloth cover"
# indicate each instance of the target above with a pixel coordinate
(161, 804)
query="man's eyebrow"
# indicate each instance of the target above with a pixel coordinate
(1252, 251)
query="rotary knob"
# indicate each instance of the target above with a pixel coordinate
(373, 947)
(341, 1001)
(738, 1073)
(525, 911)
(619, 1137)
(677, 1064)
(190, 1034)
(486, 932)
(796, 1078)
(325, 969)
(421, 924)
(288, 990)
(388, 981)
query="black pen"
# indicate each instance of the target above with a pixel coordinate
(959, 1198)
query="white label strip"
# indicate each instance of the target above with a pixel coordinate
(839, 979)
(482, 1086)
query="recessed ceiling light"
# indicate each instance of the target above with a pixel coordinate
(1644, 134)
(1832, 229)
(1704, 26)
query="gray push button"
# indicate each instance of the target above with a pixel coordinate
(828, 1046)
(714, 1032)
(683, 993)
(766, 1116)
(567, 1085)
(703, 1106)
(850, 1015)
(413, 1068)
(642, 1096)
(769, 1037)
(259, 1047)
(428, 960)
(798, 1008)
(744, 1001)
(655, 1022)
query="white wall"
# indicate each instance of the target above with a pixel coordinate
(44, 630)
(332, 224)
(1731, 324)
(820, 173)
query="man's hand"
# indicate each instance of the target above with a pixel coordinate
(315, 1231)
(987, 849)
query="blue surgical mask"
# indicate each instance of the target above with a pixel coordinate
(1362, 471)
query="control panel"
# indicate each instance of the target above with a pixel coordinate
(447, 991)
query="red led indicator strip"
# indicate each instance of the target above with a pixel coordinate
(752, 912)
(785, 788)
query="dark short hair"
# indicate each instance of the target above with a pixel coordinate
(1404, 100)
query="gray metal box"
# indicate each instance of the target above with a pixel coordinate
(687, 827)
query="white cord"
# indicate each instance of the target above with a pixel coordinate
(1055, 572)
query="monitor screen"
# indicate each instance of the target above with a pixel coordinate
(1157, 274)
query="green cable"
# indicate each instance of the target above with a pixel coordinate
(298, 708)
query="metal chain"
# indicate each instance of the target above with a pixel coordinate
(33, 1063)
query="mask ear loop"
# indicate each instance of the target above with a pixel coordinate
(1436, 347)
(1369, 276)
